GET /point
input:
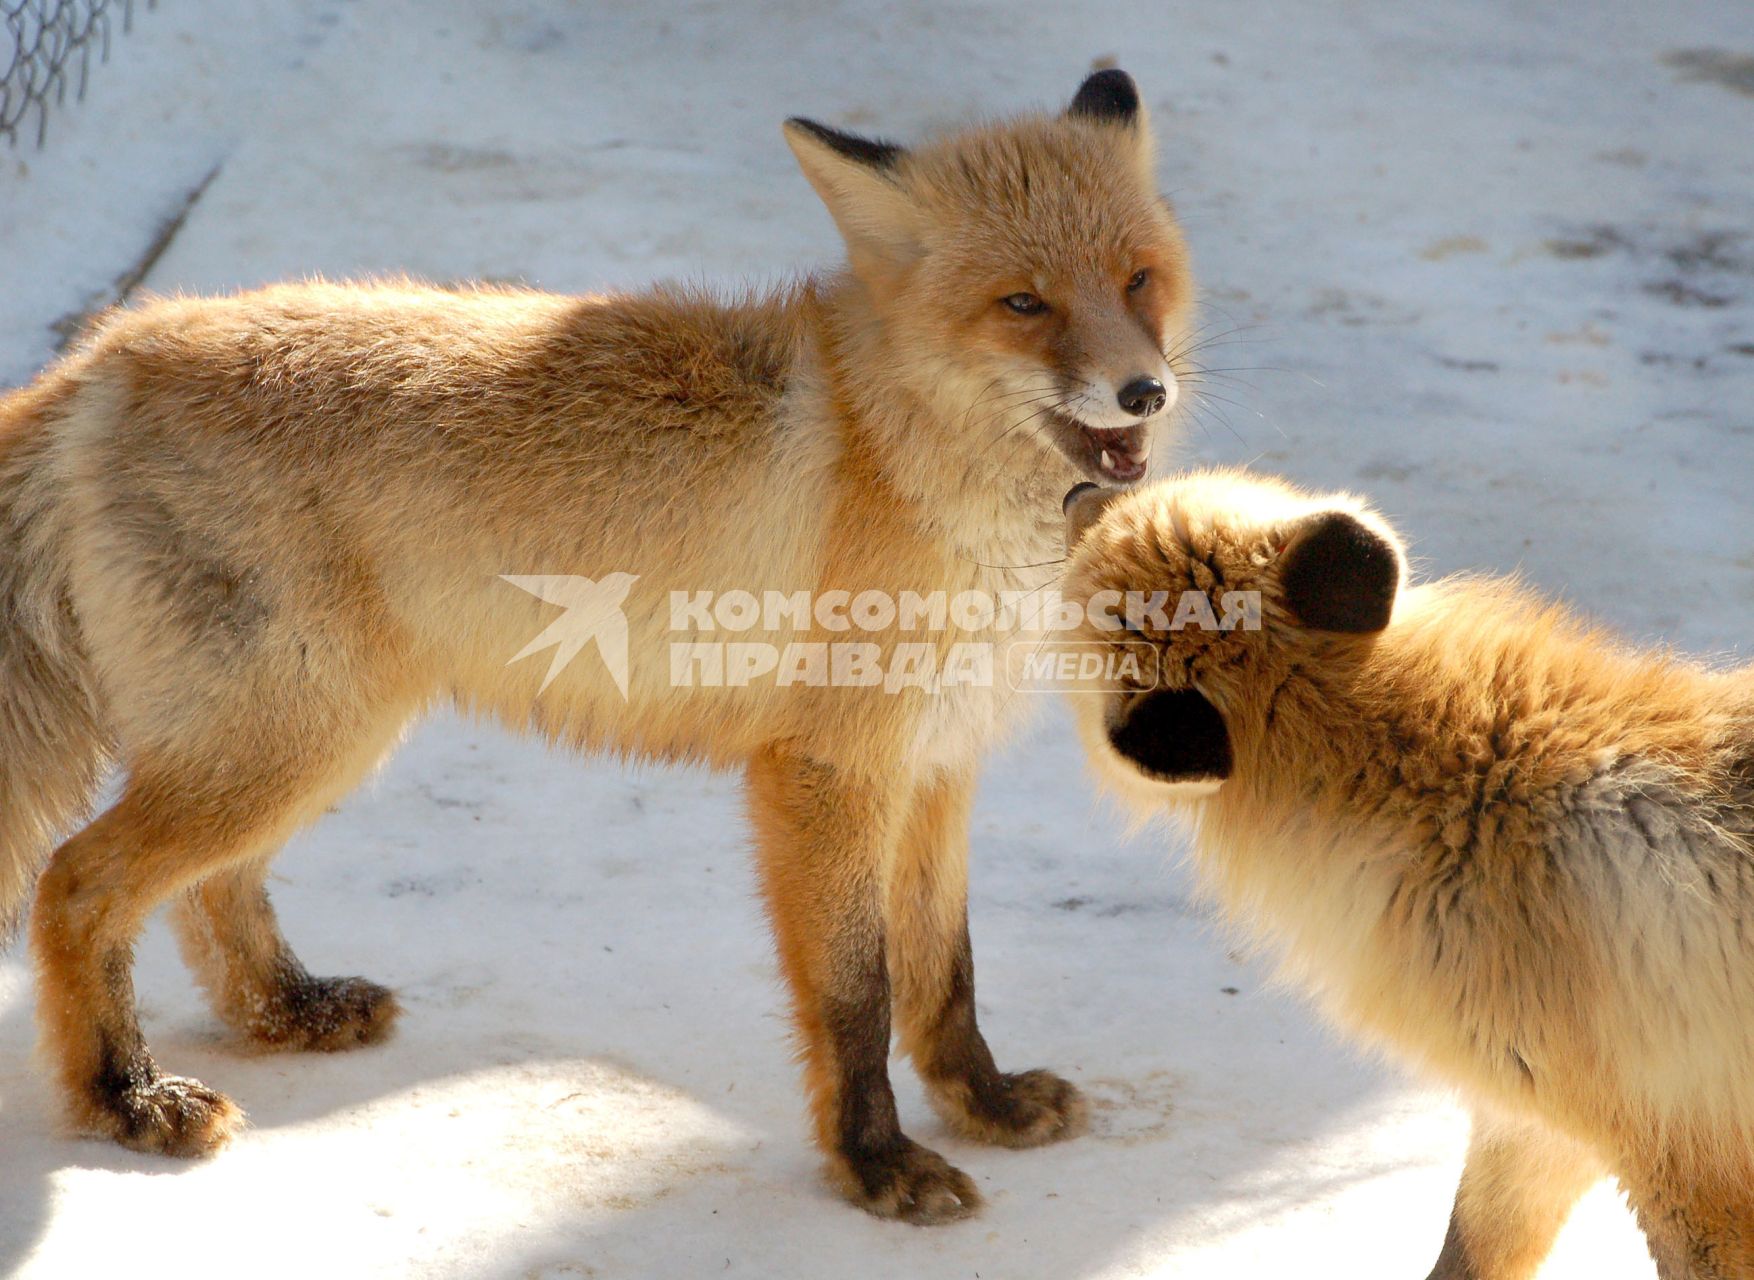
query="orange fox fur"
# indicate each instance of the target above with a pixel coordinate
(245, 541)
(1485, 836)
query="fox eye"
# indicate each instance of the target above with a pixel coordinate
(1138, 281)
(1025, 304)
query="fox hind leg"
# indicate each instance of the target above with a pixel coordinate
(176, 825)
(231, 940)
(932, 966)
(91, 901)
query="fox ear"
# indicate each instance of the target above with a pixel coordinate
(1174, 735)
(1084, 504)
(1339, 574)
(1109, 96)
(856, 178)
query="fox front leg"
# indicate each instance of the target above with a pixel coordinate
(932, 966)
(1518, 1187)
(825, 837)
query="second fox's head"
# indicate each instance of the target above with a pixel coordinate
(1232, 692)
(1028, 280)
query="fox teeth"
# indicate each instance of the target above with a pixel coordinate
(1107, 462)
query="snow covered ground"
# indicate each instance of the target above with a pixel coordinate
(1491, 263)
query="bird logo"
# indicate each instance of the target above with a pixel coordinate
(593, 612)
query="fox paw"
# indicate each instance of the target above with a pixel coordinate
(325, 1014)
(1029, 1109)
(165, 1115)
(907, 1182)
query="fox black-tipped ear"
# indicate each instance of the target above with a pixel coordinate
(1107, 95)
(1083, 504)
(873, 153)
(856, 178)
(1339, 574)
(1174, 735)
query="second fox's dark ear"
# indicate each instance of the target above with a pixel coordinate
(1107, 95)
(1339, 574)
(1083, 505)
(1174, 735)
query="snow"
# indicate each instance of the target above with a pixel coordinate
(1489, 263)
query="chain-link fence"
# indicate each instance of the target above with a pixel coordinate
(54, 43)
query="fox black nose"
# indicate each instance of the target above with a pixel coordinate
(1143, 397)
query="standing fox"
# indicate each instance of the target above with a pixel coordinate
(245, 541)
(1486, 837)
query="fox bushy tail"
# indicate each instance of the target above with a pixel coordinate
(54, 748)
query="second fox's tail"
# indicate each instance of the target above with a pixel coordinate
(54, 747)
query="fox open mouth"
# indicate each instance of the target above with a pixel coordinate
(1118, 454)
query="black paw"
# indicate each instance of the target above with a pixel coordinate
(1029, 1109)
(326, 1014)
(165, 1115)
(907, 1182)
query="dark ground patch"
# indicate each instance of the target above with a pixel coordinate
(1732, 71)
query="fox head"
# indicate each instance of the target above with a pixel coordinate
(1024, 279)
(1306, 582)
